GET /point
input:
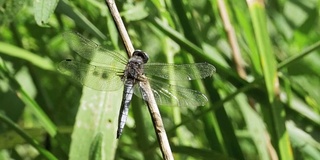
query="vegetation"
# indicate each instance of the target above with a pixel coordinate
(263, 100)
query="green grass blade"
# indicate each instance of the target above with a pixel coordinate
(65, 8)
(303, 141)
(46, 154)
(240, 10)
(299, 56)
(272, 111)
(36, 60)
(44, 120)
(267, 58)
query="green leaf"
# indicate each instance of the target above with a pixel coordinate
(96, 120)
(43, 9)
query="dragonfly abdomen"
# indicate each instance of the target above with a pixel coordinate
(126, 99)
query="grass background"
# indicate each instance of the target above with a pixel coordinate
(263, 100)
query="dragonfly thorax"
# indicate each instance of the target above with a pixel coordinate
(134, 68)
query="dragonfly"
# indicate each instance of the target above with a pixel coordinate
(108, 70)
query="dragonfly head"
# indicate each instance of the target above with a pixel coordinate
(141, 54)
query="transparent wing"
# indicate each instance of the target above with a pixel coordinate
(95, 77)
(167, 94)
(179, 72)
(92, 51)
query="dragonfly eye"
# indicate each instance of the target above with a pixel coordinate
(141, 54)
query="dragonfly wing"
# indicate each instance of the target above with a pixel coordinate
(179, 72)
(167, 94)
(95, 77)
(92, 51)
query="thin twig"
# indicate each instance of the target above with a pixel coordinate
(145, 86)
(157, 121)
(232, 39)
(120, 26)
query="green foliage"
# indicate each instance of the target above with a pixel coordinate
(272, 111)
